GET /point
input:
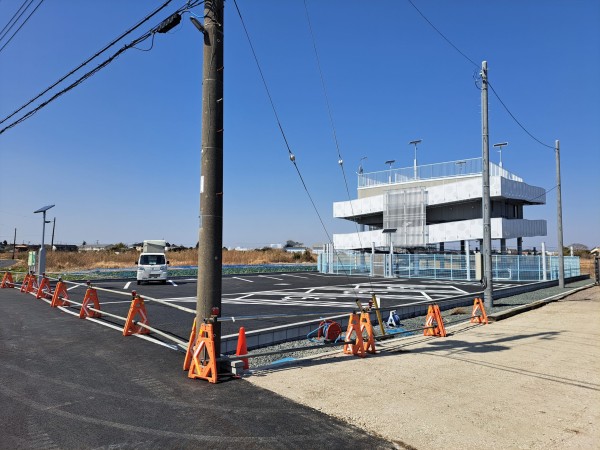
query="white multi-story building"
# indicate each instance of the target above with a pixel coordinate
(416, 207)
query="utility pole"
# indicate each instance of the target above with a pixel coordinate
(14, 244)
(211, 177)
(487, 228)
(561, 258)
(53, 227)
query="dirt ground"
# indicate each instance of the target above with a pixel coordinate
(528, 382)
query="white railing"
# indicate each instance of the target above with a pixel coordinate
(462, 168)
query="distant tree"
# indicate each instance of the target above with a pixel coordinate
(84, 243)
(4, 242)
(290, 243)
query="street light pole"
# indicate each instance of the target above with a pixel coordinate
(390, 162)
(210, 231)
(415, 143)
(499, 146)
(42, 254)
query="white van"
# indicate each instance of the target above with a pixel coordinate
(152, 263)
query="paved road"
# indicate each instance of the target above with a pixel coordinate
(67, 383)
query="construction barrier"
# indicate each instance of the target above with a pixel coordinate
(45, 290)
(434, 323)
(202, 356)
(7, 281)
(478, 307)
(137, 308)
(30, 283)
(90, 296)
(60, 296)
(357, 325)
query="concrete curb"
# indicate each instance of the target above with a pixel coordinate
(534, 305)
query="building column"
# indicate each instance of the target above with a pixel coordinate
(441, 247)
(480, 242)
(519, 246)
(468, 259)
(503, 246)
(462, 247)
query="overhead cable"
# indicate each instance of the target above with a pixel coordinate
(88, 60)
(21, 26)
(477, 65)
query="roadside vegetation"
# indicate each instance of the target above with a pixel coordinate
(110, 259)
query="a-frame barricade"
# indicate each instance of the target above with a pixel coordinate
(44, 290)
(203, 358)
(478, 307)
(137, 308)
(358, 347)
(90, 297)
(190, 348)
(367, 327)
(7, 281)
(60, 297)
(25, 282)
(434, 323)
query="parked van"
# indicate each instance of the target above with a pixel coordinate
(152, 263)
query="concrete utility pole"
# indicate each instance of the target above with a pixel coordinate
(487, 227)
(211, 177)
(561, 258)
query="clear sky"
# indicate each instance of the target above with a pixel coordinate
(119, 154)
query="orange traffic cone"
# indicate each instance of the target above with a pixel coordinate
(242, 348)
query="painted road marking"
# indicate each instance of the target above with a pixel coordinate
(273, 278)
(281, 284)
(172, 282)
(295, 276)
(72, 287)
(243, 279)
(127, 285)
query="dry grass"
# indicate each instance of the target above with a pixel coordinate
(67, 261)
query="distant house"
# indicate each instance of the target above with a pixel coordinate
(93, 247)
(296, 249)
(595, 251)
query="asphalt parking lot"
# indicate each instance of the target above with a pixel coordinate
(262, 294)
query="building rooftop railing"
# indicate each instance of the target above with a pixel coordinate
(450, 169)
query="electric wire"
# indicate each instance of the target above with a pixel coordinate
(2, 34)
(88, 74)
(290, 153)
(91, 58)
(21, 26)
(476, 65)
(332, 123)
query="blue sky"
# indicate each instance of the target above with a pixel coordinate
(119, 154)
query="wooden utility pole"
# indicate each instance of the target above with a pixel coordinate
(487, 225)
(210, 237)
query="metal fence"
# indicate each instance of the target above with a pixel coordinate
(448, 266)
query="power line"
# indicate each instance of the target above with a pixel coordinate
(90, 73)
(515, 119)
(21, 26)
(290, 154)
(14, 19)
(87, 61)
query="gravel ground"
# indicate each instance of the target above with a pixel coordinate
(453, 316)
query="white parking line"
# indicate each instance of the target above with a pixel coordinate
(126, 285)
(243, 279)
(295, 276)
(172, 282)
(72, 287)
(425, 295)
(273, 278)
